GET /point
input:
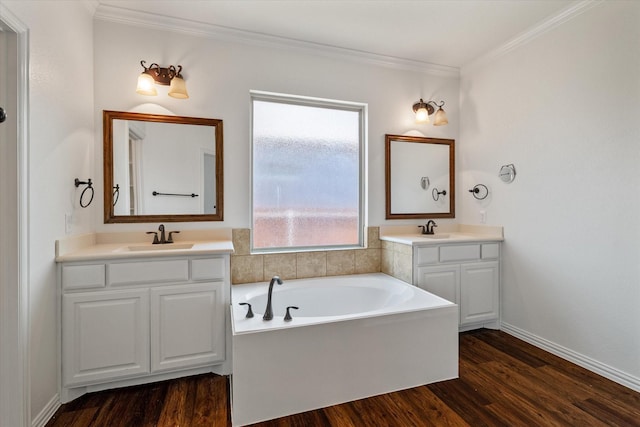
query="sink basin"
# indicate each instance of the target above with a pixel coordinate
(166, 247)
(435, 236)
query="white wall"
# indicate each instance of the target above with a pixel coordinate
(219, 76)
(564, 109)
(61, 144)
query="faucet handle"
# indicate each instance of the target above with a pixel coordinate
(287, 317)
(155, 237)
(249, 312)
(424, 228)
(170, 238)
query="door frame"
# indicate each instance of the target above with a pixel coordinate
(15, 407)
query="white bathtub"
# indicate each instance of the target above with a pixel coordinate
(352, 337)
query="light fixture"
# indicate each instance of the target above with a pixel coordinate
(424, 109)
(155, 74)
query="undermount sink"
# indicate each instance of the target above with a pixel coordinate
(165, 247)
(435, 236)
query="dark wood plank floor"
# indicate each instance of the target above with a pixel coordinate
(503, 382)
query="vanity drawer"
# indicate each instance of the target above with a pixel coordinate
(459, 253)
(208, 269)
(490, 250)
(83, 276)
(427, 255)
(133, 273)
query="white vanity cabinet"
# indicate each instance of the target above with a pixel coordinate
(185, 326)
(105, 335)
(130, 321)
(467, 274)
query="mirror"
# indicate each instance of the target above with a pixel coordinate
(420, 177)
(162, 168)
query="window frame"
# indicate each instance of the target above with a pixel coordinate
(362, 110)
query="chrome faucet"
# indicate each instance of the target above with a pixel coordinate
(428, 228)
(268, 312)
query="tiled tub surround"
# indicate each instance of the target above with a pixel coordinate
(250, 268)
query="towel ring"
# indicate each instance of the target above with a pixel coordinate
(89, 186)
(116, 194)
(480, 191)
(436, 194)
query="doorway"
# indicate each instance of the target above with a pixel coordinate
(14, 304)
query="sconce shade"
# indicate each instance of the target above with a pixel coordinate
(440, 118)
(424, 109)
(422, 115)
(146, 85)
(178, 88)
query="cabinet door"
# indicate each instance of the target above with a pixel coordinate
(479, 291)
(443, 281)
(187, 326)
(105, 335)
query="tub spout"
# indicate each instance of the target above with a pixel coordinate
(268, 312)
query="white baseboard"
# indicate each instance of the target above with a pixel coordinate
(47, 412)
(579, 359)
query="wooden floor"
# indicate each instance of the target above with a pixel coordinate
(503, 382)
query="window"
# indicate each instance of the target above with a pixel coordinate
(307, 173)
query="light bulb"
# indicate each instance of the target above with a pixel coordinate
(422, 115)
(146, 85)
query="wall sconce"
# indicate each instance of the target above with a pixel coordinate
(424, 109)
(169, 76)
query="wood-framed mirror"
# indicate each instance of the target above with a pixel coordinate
(419, 177)
(160, 168)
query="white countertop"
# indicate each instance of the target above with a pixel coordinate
(451, 233)
(126, 245)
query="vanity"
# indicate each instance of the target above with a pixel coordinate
(459, 263)
(132, 312)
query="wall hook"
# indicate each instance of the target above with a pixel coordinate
(89, 186)
(480, 191)
(507, 173)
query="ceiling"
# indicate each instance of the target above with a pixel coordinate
(449, 33)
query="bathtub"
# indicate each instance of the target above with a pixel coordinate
(352, 337)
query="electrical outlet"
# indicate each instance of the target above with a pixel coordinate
(68, 223)
(483, 217)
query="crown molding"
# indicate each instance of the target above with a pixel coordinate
(566, 14)
(228, 34)
(91, 5)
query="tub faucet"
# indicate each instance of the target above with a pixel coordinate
(268, 312)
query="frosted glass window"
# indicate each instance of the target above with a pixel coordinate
(307, 164)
